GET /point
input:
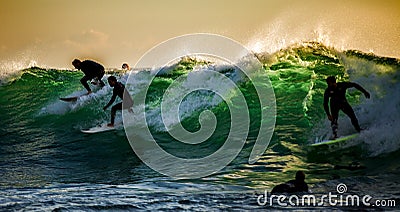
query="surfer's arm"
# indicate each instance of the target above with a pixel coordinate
(111, 101)
(85, 84)
(358, 87)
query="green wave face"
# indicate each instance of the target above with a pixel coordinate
(40, 135)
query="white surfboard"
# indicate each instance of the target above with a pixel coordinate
(98, 129)
(75, 98)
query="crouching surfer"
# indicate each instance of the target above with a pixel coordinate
(119, 90)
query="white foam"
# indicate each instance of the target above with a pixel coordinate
(380, 114)
(58, 107)
(198, 77)
(11, 69)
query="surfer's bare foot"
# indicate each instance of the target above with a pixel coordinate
(110, 125)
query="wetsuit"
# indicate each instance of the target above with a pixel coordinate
(338, 102)
(91, 70)
(292, 186)
(119, 90)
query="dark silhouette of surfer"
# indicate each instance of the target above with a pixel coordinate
(335, 94)
(92, 70)
(119, 90)
(292, 186)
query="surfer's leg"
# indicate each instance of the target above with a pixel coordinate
(84, 82)
(334, 121)
(334, 126)
(114, 111)
(101, 83)
(350, 113)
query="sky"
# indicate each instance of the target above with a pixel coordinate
(54, 32)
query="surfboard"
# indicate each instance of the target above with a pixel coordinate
(72, 99)
(337, 140)
(98, 129)
(69, 99)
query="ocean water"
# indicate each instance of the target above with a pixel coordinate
(46, 163)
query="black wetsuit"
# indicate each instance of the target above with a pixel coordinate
(338, 102)
(91, 70)
(119, 89)
(292, 186)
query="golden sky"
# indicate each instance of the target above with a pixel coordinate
(54, 32)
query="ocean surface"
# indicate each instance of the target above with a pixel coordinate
(47, 163)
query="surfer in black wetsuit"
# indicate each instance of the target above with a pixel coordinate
(92, 70)
(336, 92)
(292, 186)
(118, 90)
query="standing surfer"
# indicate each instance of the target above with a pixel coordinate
(336, 92)
(92, 70)
(119, 90)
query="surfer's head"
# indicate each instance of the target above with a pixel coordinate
(300, 176)
(331, 81)
(125, 66)
(76, 63)
(112, 81)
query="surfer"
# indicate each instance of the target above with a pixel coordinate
(118, 90)
(92, 70)
(292, 186)
(125, 66)
(336, 92)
